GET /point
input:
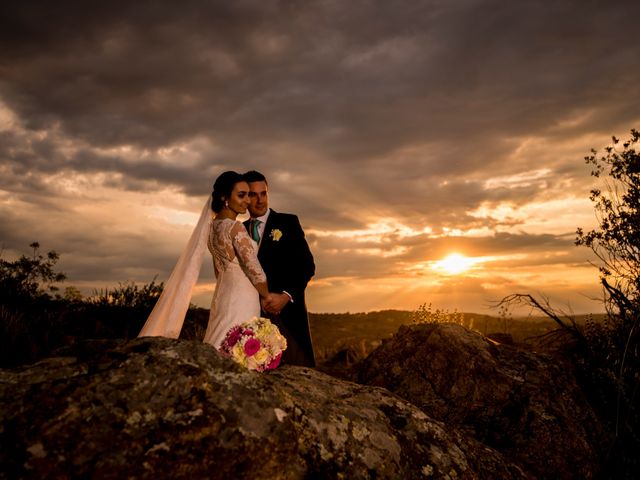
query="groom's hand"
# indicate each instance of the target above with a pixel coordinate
(276, 303)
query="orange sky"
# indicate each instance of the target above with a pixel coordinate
(398, 133)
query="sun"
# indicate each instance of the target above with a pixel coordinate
(454, 264)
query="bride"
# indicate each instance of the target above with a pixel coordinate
(240, 280)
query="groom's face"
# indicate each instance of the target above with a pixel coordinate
(258, 198)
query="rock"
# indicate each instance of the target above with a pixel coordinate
(526, 406)
(156, 407)
(504, 338)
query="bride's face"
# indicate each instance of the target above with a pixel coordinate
(239, 199)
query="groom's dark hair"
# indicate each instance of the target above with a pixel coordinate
(253, 176)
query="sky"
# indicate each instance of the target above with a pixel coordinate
(400, 132)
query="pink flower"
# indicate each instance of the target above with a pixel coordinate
(233, 336)
(252, 346)
(275, 362)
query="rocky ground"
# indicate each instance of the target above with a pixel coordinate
(525, 405)
(436, 401)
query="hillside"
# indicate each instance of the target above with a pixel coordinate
(364, 331)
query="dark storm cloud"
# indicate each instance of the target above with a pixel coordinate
(352, 80)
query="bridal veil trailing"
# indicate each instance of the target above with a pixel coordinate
(168, 315)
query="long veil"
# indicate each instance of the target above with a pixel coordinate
(167, 316)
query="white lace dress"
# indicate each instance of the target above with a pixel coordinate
(235, 261)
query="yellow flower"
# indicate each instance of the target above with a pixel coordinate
(261, 356)
(238, 352)
(276, 234)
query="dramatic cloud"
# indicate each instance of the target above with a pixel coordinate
(399, 132)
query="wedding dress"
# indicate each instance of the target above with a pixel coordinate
(235, 261)
(235, 299)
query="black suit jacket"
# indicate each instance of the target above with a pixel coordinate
(288, 263)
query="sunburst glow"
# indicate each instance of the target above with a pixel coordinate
(454, 264)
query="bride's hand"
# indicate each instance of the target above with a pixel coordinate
(266, 301)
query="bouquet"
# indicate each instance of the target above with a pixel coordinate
(256, 344)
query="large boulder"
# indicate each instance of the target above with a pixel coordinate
(161, 408)
(525, 405)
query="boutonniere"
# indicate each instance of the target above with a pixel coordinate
(276, 234)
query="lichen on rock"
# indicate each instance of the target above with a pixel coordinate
(176, 408)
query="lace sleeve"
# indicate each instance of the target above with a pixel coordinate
(247, 255)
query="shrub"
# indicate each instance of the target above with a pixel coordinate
(426, 314)
(35, 319)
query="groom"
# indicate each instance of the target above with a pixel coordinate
(288, 263)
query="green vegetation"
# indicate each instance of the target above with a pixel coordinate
(29, 313)
(36, 319)
(614, 345)
(29, 278)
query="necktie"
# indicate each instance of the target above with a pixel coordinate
(255, 233)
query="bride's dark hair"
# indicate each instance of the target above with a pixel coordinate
(222, 188)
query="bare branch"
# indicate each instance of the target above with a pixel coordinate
(544, 307)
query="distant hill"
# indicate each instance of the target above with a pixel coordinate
(334, 331)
